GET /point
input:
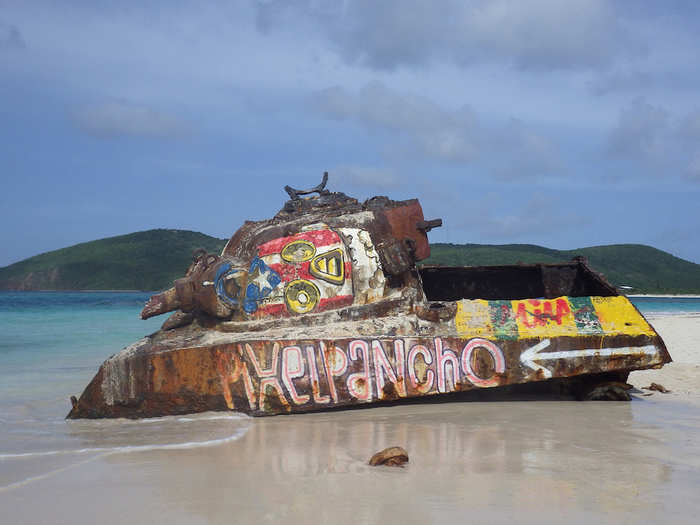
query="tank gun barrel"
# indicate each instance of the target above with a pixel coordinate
(426, 226)
(161, 303)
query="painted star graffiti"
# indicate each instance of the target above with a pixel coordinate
(262, 280)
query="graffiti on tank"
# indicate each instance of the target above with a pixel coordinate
(267, 378)
(306, 272)
(358, 370)
(560, 316)
(262, 280)
(541, 312)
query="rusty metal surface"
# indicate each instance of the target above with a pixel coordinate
(409, 227)
(262, 377)
(323, 306)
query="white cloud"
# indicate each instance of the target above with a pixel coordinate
(519, 152)
(537, 34)
(693, 171)
(492, 216)
(425, 129)
(657, 142)
(621, 80)
(639, 130)
(366, 176)
(119, 118)
(437, 132)
(10, 37)
(689, 127)
(546, 34)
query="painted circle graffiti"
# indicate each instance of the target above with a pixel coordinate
(226, 286)
(301, 296)
(298, 251)
(480, 370)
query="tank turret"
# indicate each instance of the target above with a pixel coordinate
(322, 251)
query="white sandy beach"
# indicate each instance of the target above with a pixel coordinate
(681, 333)
(538, 461)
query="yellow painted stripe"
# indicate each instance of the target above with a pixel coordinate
(473, 318)
(549, 318)
(618, 316)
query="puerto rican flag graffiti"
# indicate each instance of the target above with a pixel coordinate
(306, 272)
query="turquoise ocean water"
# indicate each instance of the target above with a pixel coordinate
(52, 345)
(667, 305)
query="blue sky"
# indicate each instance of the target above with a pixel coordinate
(565, 124)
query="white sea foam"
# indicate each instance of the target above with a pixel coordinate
(652, 315)
(131, 448)
(51, 453)
(229, 416)
(45, 475)
(215, 417)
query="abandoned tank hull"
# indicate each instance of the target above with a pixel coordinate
(324, 306)
(481, 344)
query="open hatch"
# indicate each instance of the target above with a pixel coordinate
(522, 281)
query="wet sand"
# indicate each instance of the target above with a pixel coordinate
(503, 461)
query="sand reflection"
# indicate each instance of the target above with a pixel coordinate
(521, 462)
(545, 459)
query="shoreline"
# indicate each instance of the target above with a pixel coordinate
(79, 291)
(664, 296)
(654, 316)
(632, 296)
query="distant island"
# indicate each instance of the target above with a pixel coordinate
(152, 259)
(149, 260)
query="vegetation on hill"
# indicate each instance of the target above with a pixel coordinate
(153, 259)
(643, 268)
(148, 260)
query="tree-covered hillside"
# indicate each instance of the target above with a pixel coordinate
(151, 260)
(148, 260)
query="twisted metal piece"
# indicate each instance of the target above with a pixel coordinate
(320, 189)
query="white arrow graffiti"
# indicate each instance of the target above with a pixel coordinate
(533, 354)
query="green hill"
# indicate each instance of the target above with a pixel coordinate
(151, 260)
(148, 260)
(643, 268)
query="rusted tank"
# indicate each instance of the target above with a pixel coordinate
(324, 306)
